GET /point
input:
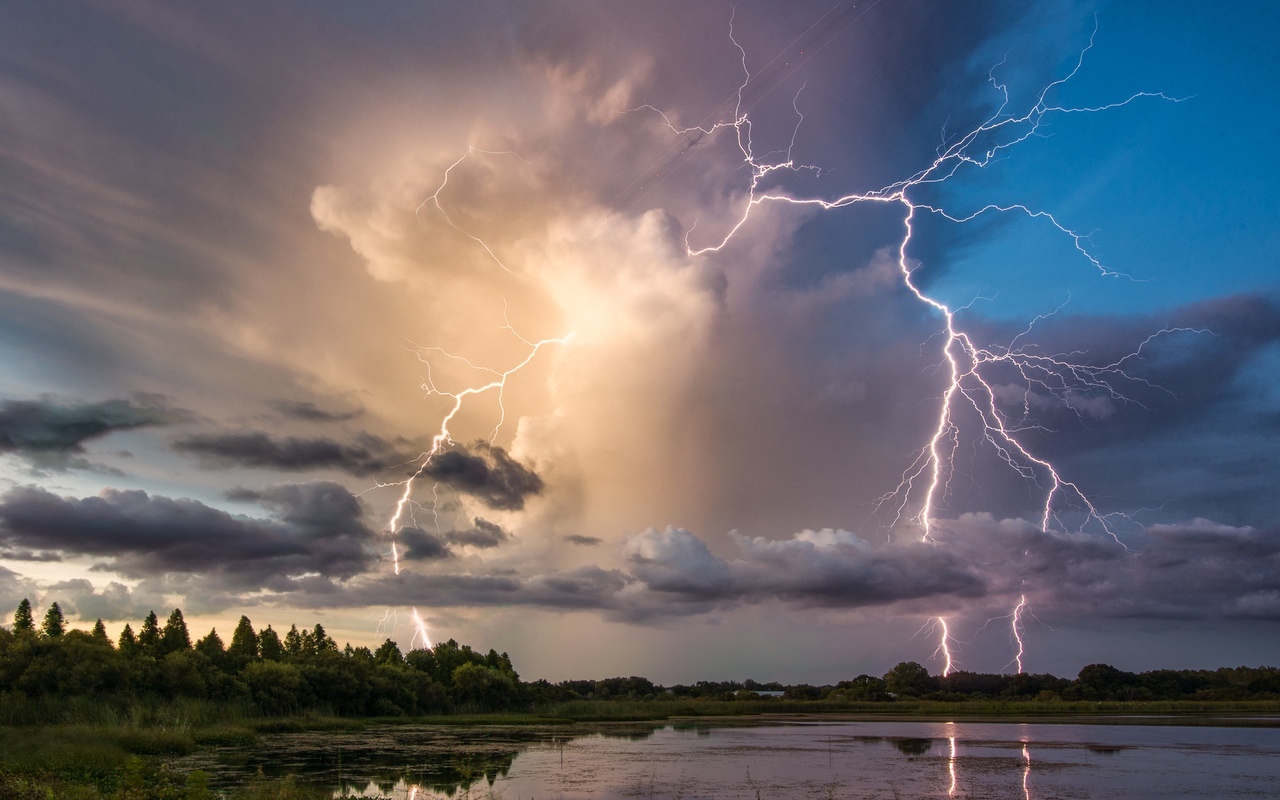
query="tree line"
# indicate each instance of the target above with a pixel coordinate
(305, 671)
(276, 675)
(910, 680)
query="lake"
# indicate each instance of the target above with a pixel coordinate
(763, 758)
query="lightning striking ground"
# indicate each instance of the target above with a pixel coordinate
(493, 381)
(924, 483)
(968, 366)
(923, 487)
(1015, 629)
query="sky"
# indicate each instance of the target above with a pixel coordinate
(686, 340)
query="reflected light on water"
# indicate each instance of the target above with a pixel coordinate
(1026, 772)
(951, 760)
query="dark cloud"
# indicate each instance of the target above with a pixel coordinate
(586, 588)
(1193, 571)
(482, 534)
(51, 433)
(368, 455)
(813, 568)
(315, 528)
(312, 412)
(486, 472)
(419, 545)
(10, 554)
(584, 541)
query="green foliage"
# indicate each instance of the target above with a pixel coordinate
(23, 621)
(174, 637)
(909, 679)
(149, 636)
(54, 623)
(244, 644)
(484, 688)
(270, 648)
(128, 643)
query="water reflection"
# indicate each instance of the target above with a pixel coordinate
(775, 758)
(951, 764)
(910, 747)
(1026, 771)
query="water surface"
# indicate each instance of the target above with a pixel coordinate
(763, 758)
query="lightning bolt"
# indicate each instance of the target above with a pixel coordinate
(1015, 628)
(967, 365)
(492, 381)
(944, 647)
(943, 652)
(419, 632)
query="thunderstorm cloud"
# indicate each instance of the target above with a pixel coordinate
(670, 413)
(366, 455)
(314, 527)
(53, 434)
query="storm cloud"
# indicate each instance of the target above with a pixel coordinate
(368, 455)
(420, 545)
(315, 527)
(486, 472)
(51, 434)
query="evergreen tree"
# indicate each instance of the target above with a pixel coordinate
(149, 636)
(293, 642)
(244, 644)
(128, 642)
(269, 646)
(175, 635)
(23, 621)
(54, 623)
(211, 647)
(100, 631)
(323, 642)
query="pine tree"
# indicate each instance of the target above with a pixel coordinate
(100, 631)
(149, 636)
(23, 621)
(269, 645)
(175, 635)
(293, 642)
(323, 642)
(54, 623)
(244, 644)
(211, 647)
(128, 642)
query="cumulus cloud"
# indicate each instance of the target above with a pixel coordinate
(115, 601)
(52, 434)
(368, 455)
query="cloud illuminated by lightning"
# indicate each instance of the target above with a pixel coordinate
(925, 481)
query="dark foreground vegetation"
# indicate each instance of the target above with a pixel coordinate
(86, 717)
